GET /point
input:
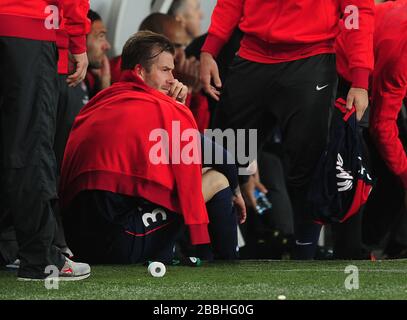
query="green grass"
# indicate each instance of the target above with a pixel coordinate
(241, 280)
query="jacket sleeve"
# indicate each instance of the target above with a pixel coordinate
(225, 18)
(358, 17)
(389, 90)
(76, 23)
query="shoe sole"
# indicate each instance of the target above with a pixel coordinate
(61, 278)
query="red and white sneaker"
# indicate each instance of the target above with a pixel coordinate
(72, 271)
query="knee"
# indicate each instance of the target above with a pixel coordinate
(213, 182)
(219, 182)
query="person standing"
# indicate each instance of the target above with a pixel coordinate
(285, 68)
(28, 108)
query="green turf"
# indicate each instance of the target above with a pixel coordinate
(242, 280)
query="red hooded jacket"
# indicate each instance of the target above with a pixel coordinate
(389, 81)
(197, 102)
(286, 30)
(109, 149)
(28, 20)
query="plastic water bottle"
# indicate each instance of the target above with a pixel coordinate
(262, 203)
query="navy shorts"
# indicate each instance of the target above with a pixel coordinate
(105, 227)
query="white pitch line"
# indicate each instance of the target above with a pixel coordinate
(337, 270)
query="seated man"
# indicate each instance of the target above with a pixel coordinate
(186, 69)
(128, 197)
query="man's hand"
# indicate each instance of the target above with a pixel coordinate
(80, 62)
(178, 91)
(240, 206)
(187, 71)
(359, 98)
(248, 190)
(103, 73)
(209, 71)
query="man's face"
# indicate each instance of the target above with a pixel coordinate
(192, 16)
(177, 34)
(160, 75)
(97, 44)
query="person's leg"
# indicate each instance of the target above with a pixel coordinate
(90, 230)
(70, 102)
(222, 218)
(245, 97)
(28, 111)
(302, 101)
(384, 203)
(222, 228)
(105, 227)
(347, 238)
(272, 176)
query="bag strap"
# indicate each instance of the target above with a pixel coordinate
(340, 103)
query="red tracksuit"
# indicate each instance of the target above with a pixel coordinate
(389, 84)
(27, 19)
(286, 30)
(389, 81)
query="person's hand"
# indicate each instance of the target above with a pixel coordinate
(240, 206)
(103, 73)
(80, 62)
(248, 190)
(178, 91)
(194, 71)
(209, 70)
(187, 71)
(258, 184)
(360, 99)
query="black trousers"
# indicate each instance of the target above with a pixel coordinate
(300, 95)
(28, 106)
(70, 103)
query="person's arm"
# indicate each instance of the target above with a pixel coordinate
(225, 18)
(358, 37)
(389, 90)
(77, 25)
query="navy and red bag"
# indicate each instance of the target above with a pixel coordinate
(342, 183)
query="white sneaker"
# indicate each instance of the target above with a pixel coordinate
(14, 265)
(71, 271)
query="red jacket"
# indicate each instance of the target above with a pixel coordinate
(389, 83)
(27, 19)
(109, 149)
(115, 68)
(286, 30)
(197, 102)
(199, 106)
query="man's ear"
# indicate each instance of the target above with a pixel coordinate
(180, 19)
(140, 71)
